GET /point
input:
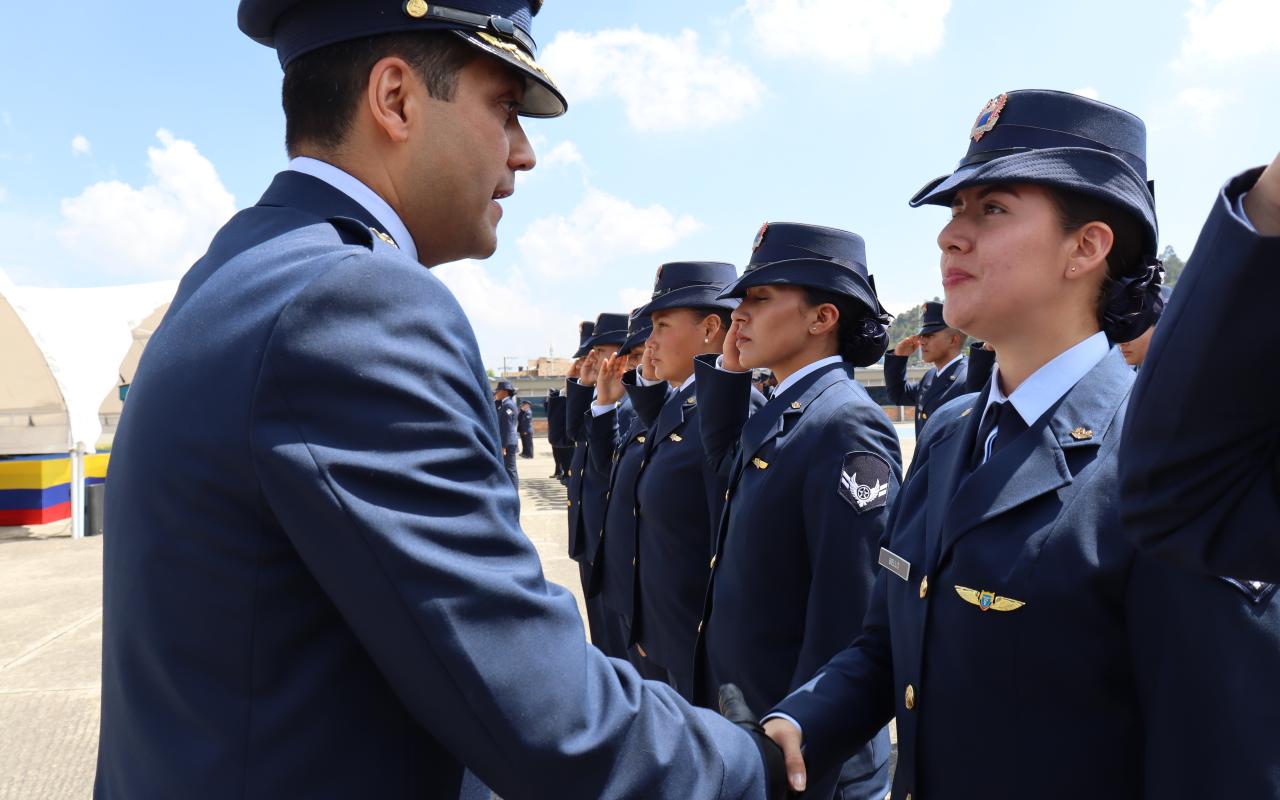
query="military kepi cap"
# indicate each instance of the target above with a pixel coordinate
(610, 329)
(639, 326)
(501, 28)
(795, 254)
(931, 320)
(691, 284)
(1056, 139)
(506, 386)
(585, 329)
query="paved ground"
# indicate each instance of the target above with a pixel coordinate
(51, 639)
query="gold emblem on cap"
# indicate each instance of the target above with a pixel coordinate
(988, 116)
(1082, 434)
(760, 463)
(516, 52)
(416, 8)
(988, 601)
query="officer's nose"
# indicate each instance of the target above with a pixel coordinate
(521, 158)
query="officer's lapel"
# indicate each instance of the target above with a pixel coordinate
(679, 407)
(1035, 463)
(771, 420)
(296, 190)
(948, 466)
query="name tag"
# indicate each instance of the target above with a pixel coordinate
(895, 563)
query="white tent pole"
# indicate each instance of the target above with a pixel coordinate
(77, 491)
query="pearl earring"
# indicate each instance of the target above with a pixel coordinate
(706, 341)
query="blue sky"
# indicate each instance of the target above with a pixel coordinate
(129, 132)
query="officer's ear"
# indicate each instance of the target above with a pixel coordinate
(390, 99)
(825, 317)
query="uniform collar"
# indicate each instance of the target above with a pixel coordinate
(356, 189)
(795, 377)
(1050, 383)
(687, 382)
(951, 363)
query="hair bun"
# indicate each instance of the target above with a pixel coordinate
(864, 343)
(1134, 303)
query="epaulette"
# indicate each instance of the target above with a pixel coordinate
(353, 231)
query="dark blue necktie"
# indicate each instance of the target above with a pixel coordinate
(1007, 423)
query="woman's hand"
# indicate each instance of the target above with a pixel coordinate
(788, 737)
(609, 382)
(732, 355)
(590, 369)
(646, 365)
(575, 369)
(1262, 203)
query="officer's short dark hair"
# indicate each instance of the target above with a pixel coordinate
(1075, 210)
(322, 88)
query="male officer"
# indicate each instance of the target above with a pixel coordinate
(554, 405)
(524, 427)
(1135, 350)
(508, 421)
(939, 345)
(322, 589)
(1200, 481)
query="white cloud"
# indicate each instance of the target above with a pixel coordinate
(1202, 105)
(80, 146)
(1087, 91)
(853, 36)
(666, 83)
(562, 155)
(599, 230)
(156, 230)
(1229, 30)
(634, 298)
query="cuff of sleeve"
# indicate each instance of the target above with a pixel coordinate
(1237, 210)
(598, 410)
(643, 381)
(787, 717)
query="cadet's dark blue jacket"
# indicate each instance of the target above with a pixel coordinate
(587, 486)
(932, 392)
(316, 584)
(795, 558)
(508, 416)
(1101, 685)
(556, 421)
(677, 498)
(619, 453)
(1201, 467)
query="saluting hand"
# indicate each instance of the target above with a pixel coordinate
(575, 369)
(590, 369)
(646, 365)
(1262, 203)
(609, 383)
(732, 355)
(907, 346)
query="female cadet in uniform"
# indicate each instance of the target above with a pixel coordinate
(810, 475)
(678, 497)
(1024, 647)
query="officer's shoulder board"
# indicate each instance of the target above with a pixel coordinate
(353, 231)
(864, 480)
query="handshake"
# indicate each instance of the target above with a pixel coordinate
(733, 707)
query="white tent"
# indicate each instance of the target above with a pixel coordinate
(63, 351)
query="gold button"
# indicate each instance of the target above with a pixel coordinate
(923, 415)
(924, 586)
(569, 503)
(910, 698)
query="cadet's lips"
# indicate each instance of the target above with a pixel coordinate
(954, 276)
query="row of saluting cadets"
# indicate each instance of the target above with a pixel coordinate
(995, 590)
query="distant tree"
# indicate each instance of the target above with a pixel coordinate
(1172, 265)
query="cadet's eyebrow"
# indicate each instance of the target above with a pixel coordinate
(999, 187)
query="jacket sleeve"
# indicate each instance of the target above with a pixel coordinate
(901, 391)
(724, 405)
(577, 407)
(982, 363)
(1199, 480)
(602, 431)
(407, 522)
(646, 400)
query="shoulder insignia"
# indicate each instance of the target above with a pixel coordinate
(675, 437)
(640, 438)
(796, 405)
(760, 463)
(692, 400)
(385, 237)
(988, 601)
(1256, 591)
(1082, 434)
(864, 480)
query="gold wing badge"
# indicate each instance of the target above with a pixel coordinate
(988, 601)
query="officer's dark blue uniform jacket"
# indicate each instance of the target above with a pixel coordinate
(508, 417)
(1093, 688)
(316, 584)
(587, 486)
(795, 560)
(556, 421)
(930, 393)
(620, 453)
(978, 368)
(524, 421)
(1201, 480)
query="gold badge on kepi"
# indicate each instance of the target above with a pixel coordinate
(988, 116)
(987, 600)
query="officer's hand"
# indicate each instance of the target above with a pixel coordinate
(575, 369)
(590, 369)
(609, 382)
(646, 365)
(907, 346)
(789, 738)
(1262, 203)
(734, 708)
(732, 355)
